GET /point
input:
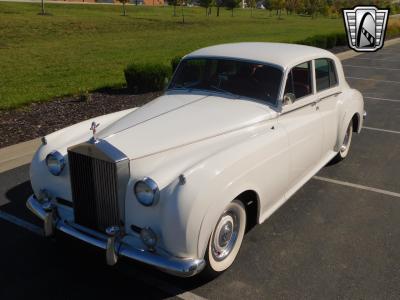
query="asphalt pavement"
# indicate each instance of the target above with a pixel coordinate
(336, 238)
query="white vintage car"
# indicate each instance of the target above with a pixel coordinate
(176, 183)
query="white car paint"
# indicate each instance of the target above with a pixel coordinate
(222, 145)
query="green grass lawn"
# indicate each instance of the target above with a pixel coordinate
(81, 47)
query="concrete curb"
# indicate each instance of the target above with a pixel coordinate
(351, 53)
(17, 155)
(20, 154)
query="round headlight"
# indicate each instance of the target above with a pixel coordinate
(147, 192)
(55, 163)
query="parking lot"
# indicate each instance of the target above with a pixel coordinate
(338, 237)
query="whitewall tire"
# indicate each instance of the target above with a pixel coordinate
(345, 147)
(226, 238)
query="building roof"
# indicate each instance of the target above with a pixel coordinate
(281, 54)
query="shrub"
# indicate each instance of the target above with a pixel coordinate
(341, 39)
(315, 41)
(175, 62)
(320, 41)
(84, 95)
(307, 42)
(331, 41)
(393, 29)
(146, 77)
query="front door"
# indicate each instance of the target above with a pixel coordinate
(303, 124)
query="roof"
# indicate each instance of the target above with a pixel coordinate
(280, 54)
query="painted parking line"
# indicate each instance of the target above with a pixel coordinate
(162, 286)
(380, 129)
(358, 186)
(381, 59)
(382, 99)
(21, 223)
(368, 67)
(370, 79)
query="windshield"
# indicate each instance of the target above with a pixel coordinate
(248, 79)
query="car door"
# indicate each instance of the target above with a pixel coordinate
(328, 94)
(302, 122)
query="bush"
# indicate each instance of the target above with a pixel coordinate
(393, 29)
(146, 77)
(331, 41)
(320, 41)
(341, 39)
(175, 62)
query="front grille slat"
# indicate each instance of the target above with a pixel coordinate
(94, 184)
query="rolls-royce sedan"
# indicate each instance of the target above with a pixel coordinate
(177, 183)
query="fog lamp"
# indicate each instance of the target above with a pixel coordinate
(149, 238)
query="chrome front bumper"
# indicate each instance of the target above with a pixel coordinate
(112, 244)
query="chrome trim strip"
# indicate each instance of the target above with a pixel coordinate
(177, 266)
(330, 95)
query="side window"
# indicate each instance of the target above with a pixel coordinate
(299, 80)
(332, 73)
(325, 74)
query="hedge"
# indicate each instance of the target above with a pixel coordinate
(324, 41)
(150, 77)
(175, 62)
(146, 77)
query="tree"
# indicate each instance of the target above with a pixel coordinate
(123, 6)
(206, 4)
(231, 4)
(42, 12)
(292, 6)
(174, 3)
(218, 4)
(313, 7)
(268, 5)
(252, 4)
(278, 5)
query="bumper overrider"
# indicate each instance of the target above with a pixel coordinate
(112, 243)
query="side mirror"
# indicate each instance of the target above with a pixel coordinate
(288, 98)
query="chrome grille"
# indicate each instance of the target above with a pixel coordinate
(98, 183)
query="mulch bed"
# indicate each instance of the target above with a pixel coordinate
(39, 119)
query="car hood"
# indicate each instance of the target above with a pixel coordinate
(175, 120)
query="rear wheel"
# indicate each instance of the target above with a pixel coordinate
(226, 239)
(345, 147)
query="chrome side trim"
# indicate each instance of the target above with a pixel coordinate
(183, 267)
(330, 95)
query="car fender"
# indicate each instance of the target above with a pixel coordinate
(226, 175)
(352, 103)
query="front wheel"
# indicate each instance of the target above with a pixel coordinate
(226, 239)
(345, 147)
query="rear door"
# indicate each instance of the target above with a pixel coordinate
(328, 91)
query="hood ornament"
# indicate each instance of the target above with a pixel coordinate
(93, 129)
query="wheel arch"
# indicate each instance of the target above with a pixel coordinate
(351, 109)
(251, 201)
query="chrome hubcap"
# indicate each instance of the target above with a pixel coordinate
(225, 235)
